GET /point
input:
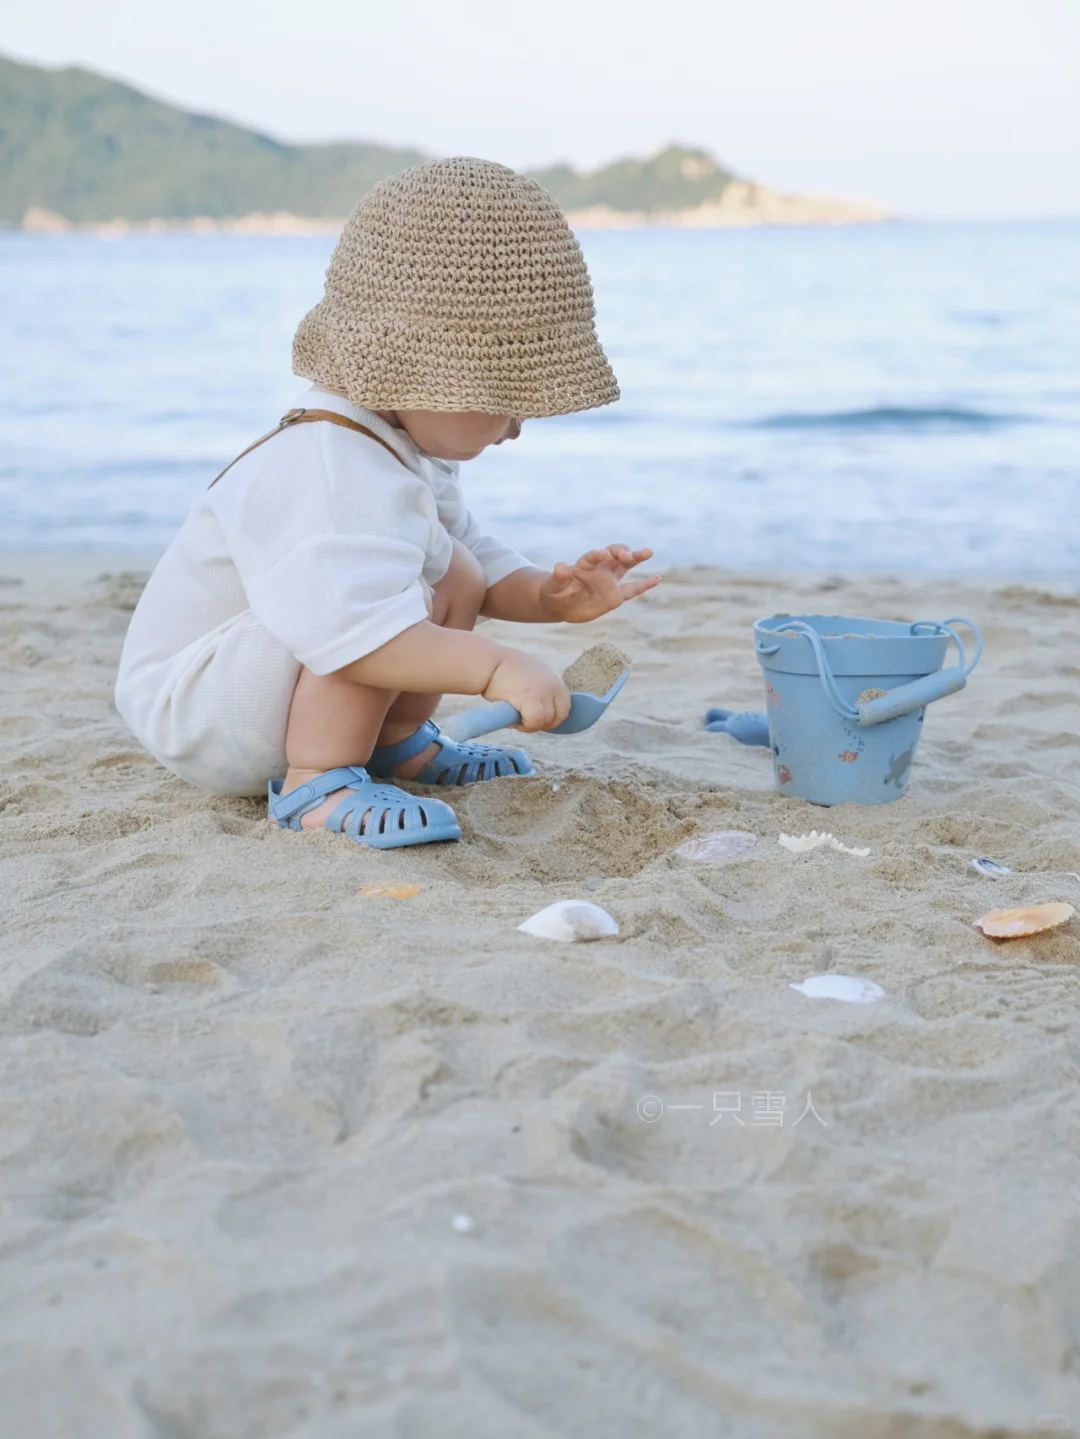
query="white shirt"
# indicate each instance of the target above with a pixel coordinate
(327, 539)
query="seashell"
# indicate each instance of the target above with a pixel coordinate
(571, 919)
(721, 845)
(379, 890)
(1018, 923)
(991, 868)
(800, 844)
(840, 986)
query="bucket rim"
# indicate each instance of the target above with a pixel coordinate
(908, 648)
(900, 629)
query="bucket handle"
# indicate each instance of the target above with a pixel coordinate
(905, 698)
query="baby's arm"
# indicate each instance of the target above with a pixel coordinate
(573, 593)
(517, 591)
(428, 659)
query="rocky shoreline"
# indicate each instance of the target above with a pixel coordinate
(743, 203)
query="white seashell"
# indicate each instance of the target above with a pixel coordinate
(991, 867)
(801, 843)
(570, 919)
(840, 986)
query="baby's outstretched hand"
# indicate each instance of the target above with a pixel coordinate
(594, 585)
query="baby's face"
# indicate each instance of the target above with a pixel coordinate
(457, 435)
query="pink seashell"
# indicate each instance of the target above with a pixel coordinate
(712, 847)
(1019, 923)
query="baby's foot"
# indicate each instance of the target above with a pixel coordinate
(410, 768)
(316, 818)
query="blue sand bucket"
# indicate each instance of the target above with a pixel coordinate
(832, 741)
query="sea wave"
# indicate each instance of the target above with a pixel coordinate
(875, 418)
(891, 417)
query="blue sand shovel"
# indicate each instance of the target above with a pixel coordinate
(585, 710)
(748, 727)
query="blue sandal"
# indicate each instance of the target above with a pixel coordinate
(454, 764)
(379, 815)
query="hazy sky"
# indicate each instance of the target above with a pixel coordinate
(958, 107)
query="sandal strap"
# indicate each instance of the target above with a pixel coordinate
(309, 796)
(389, 756)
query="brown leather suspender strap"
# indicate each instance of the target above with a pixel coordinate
(304, 417)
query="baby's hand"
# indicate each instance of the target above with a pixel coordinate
(593, 586)
(536, 692)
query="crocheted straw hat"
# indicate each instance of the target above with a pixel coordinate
(457, 285)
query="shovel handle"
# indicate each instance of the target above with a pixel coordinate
(483, 719)
(921, 692)
(913, 696)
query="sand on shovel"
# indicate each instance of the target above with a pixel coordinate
(596, 669)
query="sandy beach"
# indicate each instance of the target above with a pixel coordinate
(282, 1158)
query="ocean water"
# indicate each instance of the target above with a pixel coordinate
(900, 398)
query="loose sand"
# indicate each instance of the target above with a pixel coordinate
(282, 1158)
(596, 669)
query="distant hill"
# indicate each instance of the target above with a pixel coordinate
(675, 179)
(78, 148)
(94, 150)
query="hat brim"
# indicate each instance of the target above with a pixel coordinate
(395, 365)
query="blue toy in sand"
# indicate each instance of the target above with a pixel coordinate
(747, 726)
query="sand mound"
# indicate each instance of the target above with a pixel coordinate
(569, 829)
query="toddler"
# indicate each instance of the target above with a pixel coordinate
(321, 596)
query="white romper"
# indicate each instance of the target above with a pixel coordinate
(314, 550)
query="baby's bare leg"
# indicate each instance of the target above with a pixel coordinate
(456, 605)
(334, 722)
